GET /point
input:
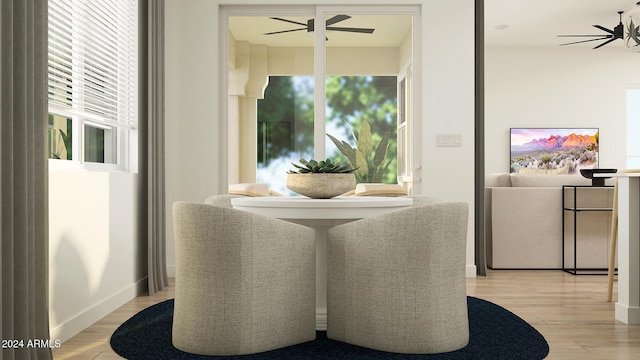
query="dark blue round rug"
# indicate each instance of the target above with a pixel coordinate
(495, 333)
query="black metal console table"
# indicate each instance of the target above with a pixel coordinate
(573, 208)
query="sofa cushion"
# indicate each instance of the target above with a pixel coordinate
(526, 228)
(497, 180)
(545, 180)
(559, 171)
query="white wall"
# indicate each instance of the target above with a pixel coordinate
(195, 161)
(448, 106)
(557, 87)
(96, 263)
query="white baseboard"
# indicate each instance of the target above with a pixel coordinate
(471, 271)
(83, 320)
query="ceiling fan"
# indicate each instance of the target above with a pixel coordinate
(616, 33)
(309, 26)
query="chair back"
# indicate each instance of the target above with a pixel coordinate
(245, 283)
(221, 200)
(397, 282)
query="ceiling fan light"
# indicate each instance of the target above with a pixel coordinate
(631, 20)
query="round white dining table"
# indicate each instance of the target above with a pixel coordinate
(321, 214)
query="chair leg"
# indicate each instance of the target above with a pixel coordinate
(612, 260)
(613, 242)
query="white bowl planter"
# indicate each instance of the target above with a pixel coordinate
(321, 185)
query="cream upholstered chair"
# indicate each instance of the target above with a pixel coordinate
(613, 241)
(224, 200)
(396, 282)
(245, 283)
(221, 200)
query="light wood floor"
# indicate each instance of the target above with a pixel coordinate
(570, 311)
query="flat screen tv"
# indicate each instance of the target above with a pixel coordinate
(554, 150)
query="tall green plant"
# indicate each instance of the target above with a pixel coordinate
(66, 140)
(370, 161)
(56, 133)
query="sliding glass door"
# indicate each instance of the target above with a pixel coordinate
(285, 128)
(286, 71)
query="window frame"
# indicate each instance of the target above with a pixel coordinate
(123, 147)
(226, 143)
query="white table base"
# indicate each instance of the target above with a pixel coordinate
(321, 228)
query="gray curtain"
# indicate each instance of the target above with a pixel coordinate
(480, 240)
(23, 164)
(157, 264)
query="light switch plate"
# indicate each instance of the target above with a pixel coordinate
(448, 140)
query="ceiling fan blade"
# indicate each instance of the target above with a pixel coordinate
(349, 29)
(284, 31)
(616, 33)
(603, 29)
(583, 41)
(605, 43)
(337, 19)
(289, 21)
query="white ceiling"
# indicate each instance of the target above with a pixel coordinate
(538, 22)
(530, 23)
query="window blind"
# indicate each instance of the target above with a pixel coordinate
(92, 59)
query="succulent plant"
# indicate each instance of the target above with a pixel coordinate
(320, 167)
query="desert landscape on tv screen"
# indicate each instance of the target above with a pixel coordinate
(560, 151)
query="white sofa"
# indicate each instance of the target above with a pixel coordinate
(523, 222)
